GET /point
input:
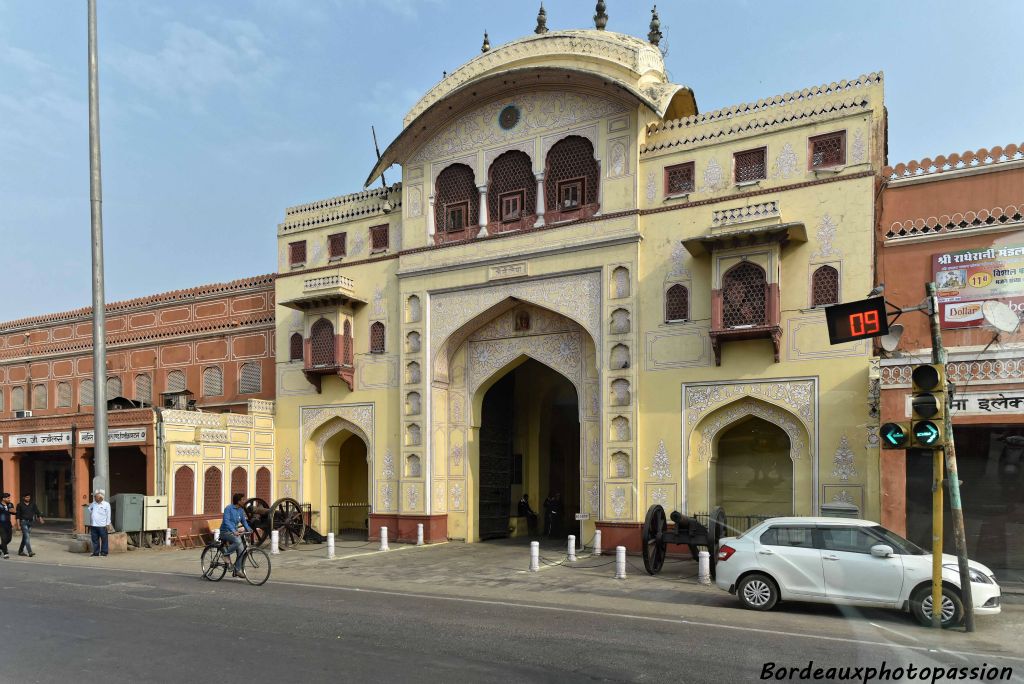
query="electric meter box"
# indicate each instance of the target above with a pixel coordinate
(154, 517)
(127, 510)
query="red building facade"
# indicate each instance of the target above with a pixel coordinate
(958, 220)
(215, 341)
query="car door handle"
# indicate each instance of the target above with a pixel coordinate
(830, 558)
(766, 552)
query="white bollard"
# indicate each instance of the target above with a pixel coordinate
(572, 548)
(330, 545)
(534, 556)
(216, 535)
(597, 543)
(419, 534)
(620, 562)
(384, 539)
(704, 567)
(167, 536)
(275, 547)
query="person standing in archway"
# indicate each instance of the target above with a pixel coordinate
(526, 512)
(549, 514)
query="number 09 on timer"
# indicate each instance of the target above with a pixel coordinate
(857, 320)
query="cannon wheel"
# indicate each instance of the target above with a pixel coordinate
(718, 528)
(286, 517)
(256, 508)
(653, 540)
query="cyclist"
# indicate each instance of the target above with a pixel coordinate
(234, 521)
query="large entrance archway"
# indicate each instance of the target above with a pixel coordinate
(529, 444)
(753, 472)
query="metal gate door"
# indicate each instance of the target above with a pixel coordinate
(495, 459)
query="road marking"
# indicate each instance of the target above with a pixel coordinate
(894, 631)
(583, 611)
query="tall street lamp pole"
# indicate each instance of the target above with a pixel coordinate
(99, 323)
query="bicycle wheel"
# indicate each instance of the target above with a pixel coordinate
(212, 563)
(256, 566)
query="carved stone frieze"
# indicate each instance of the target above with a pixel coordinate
(560, 351)
(797, 395)
(752, 407)
(576, 296)
(540, 112)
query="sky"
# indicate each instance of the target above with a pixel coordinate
(216, 116)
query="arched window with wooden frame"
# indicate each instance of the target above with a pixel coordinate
(456, 203)
(184, 491)
(347, 351)
(213, 381)
(239, 482)
(570, 179)
(295, 347)
(377, 338)
(677, 304)
(744, 296)
(511, 192)
(263, 484)
(39, 397)
(175, 381)
(144, 388)
(825, 286)
(212, 491)
(250, 378)
(321, 343)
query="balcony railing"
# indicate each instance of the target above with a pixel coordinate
(328, 282)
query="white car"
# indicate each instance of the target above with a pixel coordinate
(847, 562)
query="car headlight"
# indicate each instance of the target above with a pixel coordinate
(977, 576)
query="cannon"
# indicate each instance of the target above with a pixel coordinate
(657, 535)
(284, 515)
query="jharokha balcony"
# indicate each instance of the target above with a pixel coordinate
(325, 351)
(745, 308)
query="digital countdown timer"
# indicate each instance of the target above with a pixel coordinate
(857, 320)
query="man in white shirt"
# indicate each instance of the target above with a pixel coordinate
(99, 521)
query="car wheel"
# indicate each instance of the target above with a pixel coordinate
(757, 592)
(952, 606)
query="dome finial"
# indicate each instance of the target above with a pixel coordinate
(601, 18)
(542, 21)
(487, 43)
(654, 35)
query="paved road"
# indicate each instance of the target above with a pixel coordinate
(95, 624)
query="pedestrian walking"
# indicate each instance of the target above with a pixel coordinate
(27, 515)
(549, 518)
(6, 530)
(99, 524)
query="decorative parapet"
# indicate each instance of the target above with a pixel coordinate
(341, 200)
(238, 420)
(758, 125)
(191, 418)
(211, 435)
(778, 101)
(261, 406)
(960, 372)
(751, 212)
(330, 282)
(384, 207)
(960, 222)
(955, 162)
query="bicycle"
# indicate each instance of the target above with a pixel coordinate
(255, 562)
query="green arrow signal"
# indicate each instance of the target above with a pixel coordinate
(894, 436)
(926, 432)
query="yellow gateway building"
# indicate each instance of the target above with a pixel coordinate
(584, 288)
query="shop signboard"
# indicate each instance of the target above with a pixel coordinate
(967, 278)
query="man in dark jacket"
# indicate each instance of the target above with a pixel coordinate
(27, 514)
(526, 512)
(6, 531)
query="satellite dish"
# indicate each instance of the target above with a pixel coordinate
(892, 340)
(1000, 316)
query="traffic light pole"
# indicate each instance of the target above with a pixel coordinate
(948, 454)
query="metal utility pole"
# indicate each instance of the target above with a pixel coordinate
(99, 323)
(953, 481)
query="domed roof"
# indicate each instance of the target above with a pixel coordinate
(603, 59)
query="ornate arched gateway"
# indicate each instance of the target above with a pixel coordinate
(751, 447)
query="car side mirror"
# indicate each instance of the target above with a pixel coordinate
(881, 551)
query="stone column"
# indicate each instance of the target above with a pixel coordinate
(540, 200)
(483, 210)
(12, 481)
(430, 216)
(80, 463)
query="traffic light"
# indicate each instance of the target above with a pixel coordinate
(895, 435)
(928, 405)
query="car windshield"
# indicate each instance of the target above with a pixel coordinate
(902, 546)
